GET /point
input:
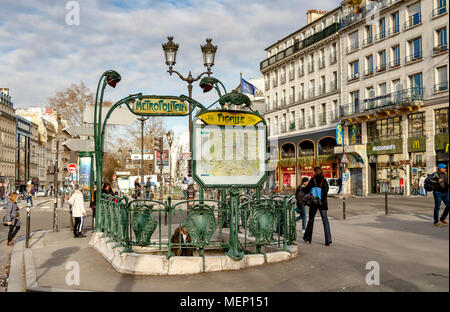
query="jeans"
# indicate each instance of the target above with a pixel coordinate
(147, 194)
(438, 197)
(302, 214)
(13, 229)
(310, 226)
(30, 198)
(4, 202)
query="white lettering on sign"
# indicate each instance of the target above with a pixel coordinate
(383, 147)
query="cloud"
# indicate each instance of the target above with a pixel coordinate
(41, 54)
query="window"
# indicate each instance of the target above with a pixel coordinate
(283, 98)
(395, 57)
(322, 85)
(300, 68)
(275, 100)
(292, 96)
(441, 8)
(322, 58)
(416, 123)
(416, 83)
(311, 88)
(268, 102)
(414, 15)
(302, 118)
(302, 91)
(441, 120)
(333, 57)
(292, 123)
(368, 39)
(311, 63)
(312, 121)
(354, 70)
(441, 36)
(353, 42)
(276, 125)
(334, 81)
(324, 113)
(415, 48)
(381, 61)
(441, 79)
(369, 65)
(354, 96)
(292, 71)
(395, 23)
(335, 110)
(354, 134)
(382, 29)
(385, 129)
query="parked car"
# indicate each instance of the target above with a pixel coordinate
(333, 186)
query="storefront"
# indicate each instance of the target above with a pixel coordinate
(305, 159)
(441, 142)
(385, 158)
(287, 166)
(326, 157)
(417, 156)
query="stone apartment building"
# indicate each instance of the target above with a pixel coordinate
(394, 94)
(302, 96)
(7, 140)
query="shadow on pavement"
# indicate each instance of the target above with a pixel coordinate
(59, 257)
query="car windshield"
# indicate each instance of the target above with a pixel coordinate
(332, 182)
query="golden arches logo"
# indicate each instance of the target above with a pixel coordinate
(446, 148)
(416, 144)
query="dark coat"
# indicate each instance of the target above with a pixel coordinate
(316, 181)
(175, 239)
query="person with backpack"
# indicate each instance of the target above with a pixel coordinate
(438, 183)
(317, 190)
(300, 196)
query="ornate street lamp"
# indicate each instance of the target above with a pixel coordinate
(170, 52)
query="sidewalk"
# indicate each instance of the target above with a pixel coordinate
(413, 256)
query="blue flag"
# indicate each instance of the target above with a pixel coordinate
(247, 87)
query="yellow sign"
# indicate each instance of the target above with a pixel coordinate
(157, 106)
(416, 144)
(230, 118)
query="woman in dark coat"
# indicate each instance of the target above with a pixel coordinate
(12, 218)
(318, 181)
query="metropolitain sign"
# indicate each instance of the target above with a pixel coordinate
(161, 106)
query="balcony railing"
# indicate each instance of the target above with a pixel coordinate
(380, 36)
(439, 11)
(368, 72)
(405, 96)
(440, 87)
(440, 49)
(328, 31)
(353, 77)
(413, 57)
(353, 47)
(322, 62)
(394, 30)
(381, 68)
(394, 64)
(333, 58)
(333, 85)
(300, 72)
(413, 20)
(367, 41)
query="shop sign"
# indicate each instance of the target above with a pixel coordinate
(290, 170)
(416, 144)
(441, 142)
(385, 147)
(339, 134)
(160, 106)
(405, 162)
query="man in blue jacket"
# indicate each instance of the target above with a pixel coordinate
(440, 193)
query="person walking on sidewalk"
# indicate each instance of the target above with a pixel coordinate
(12, 218)
(439, 180)
(78, 211)
(3, 195)
(300, 197)
(317, 190)
(29, 194)
(422, 190)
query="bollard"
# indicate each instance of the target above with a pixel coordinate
(343, 206)
(27, 239)
(386, 203)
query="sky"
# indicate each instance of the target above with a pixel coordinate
(40, 53)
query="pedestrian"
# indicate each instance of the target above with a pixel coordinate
(148, 186)
(339, 182)
(415, 185)
(422, 190)
(137, 186)
(29, 194)
(317, 190)
(300, 197)
(78, 211)
(12, 218)
(184, 187)
(92, 204)
(439, 180)
(3, 195)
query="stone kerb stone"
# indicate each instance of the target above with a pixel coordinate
(145, 264)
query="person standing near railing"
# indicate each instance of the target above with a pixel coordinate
(78, 211)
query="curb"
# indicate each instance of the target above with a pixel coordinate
(22, 274)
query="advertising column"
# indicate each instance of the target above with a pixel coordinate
(85, 169)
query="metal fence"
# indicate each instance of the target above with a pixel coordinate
(235, 225)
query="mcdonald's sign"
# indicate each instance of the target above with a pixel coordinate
(416, 144)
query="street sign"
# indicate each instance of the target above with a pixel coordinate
(346, 177)
(138, 156)
(114, 177)
(222, 118)
(185, 156)
(79, 145)
(79, 131)
(132, 166)
(72, 168)
(160, 106)
(123, 173)
(344, 159)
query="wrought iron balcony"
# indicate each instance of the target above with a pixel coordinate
(441, 87)
(368, 72)
(380, 36)
(439, 11)
(367, 41)
(413, 20)
(440, 49)
(413, 57)
(353, 47)
(394, 30)
(353, 77)
(394, 64)
(381, 68)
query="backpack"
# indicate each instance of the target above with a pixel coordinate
(430, 183)
(316, 194)
(299, 195)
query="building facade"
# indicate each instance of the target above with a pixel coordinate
(7, 140)
(394, 94)
(302, 98)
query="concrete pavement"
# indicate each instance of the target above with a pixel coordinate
(413, 255)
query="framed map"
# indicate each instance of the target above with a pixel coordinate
(230, 155)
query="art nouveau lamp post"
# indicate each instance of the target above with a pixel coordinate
(170, 52)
